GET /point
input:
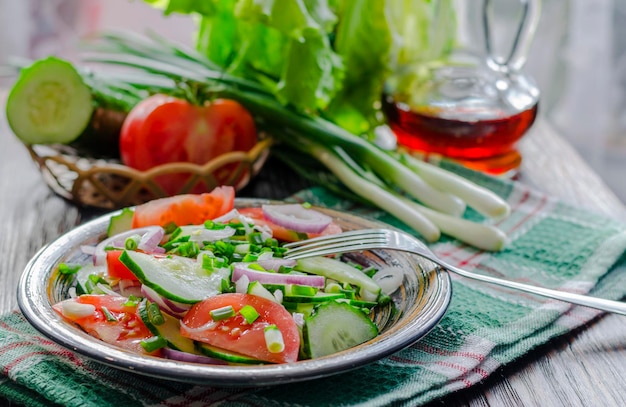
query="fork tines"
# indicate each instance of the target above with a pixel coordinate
(354, 240)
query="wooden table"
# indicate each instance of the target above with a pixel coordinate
(585, 368)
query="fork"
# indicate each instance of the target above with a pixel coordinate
(367, 239)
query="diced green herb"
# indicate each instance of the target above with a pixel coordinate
(153, 343)
(154, 314)
(108, 315)
(249, 313)
(225, 312)
(69, 268)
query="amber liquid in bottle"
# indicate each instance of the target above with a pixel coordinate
(482, 137)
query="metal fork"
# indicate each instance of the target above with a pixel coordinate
(367, 239)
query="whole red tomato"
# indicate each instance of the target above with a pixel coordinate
(163, 129)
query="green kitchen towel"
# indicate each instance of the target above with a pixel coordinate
(551, 244)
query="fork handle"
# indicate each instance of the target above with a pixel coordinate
(616, 307)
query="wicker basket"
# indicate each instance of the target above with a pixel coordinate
(107, 184)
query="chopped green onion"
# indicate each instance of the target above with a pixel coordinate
(307, 205)
(271, 242)
(256, 266)
(305, 290)
(171, 228)
(188, 249)
(250, 257)
(212, 263)
(211, 225)
(66, 268)
(154, 314)
(132, 301)
(274, 339)
(332, 288)
(249, 313)
(242, 248)
(285, 269)
(221, 313)
(132, 242)
(108, 315)
(226, 286)
(256, 238)
(153, 343)
(370, 271)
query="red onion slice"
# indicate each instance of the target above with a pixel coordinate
(243, 269)
(388, 280)
(191, 358)
(173, 308)
(297, 217)
(150, 233)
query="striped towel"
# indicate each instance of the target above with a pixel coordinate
(551, 244)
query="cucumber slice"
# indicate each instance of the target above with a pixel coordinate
(318, 297)
(228, 356)
(168, 330)
(174, 277)
(340, 271)
(256, 288)
(120, 223)
(49, 103)
(336, 326)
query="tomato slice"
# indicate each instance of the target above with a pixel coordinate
(189, 209)
(117, 269)
(236, 335)
(282, 233)
(127, 331)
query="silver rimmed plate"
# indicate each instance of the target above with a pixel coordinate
(417, 307)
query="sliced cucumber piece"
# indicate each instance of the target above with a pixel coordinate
(168, 330)
(340, 271)
(318, 297)
(49, 103)
(174, 277)
(336, 326)
(120, 223)
(256, 288)
(228, 356)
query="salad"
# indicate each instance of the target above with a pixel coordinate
(192, 278)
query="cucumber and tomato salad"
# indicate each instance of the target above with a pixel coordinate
(192, 278)
(52, 103)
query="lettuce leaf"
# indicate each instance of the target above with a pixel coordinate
(327, 57)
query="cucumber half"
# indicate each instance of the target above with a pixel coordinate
(177, 278)
(49, 103)
(335, 327)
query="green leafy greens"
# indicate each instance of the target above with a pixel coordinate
(324, 57)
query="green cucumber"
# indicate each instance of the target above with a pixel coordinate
(318, 297)
(177, 278)
(168, 330)
(256, 288)
(340, 271)
(336, 326)
(121, 222)
(49, 103)
(226, 355)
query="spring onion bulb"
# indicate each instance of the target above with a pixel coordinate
(379, 196)
(481, 199)
(479, 235)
